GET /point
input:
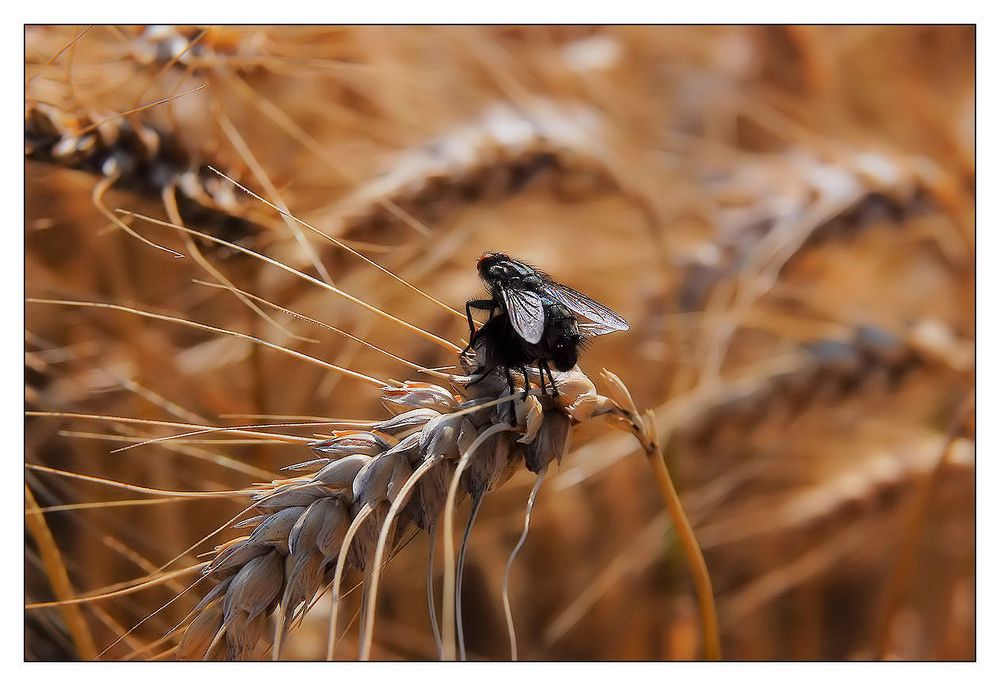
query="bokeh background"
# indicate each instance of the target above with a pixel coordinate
(783, 213)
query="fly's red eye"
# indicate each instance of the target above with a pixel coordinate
(483, 258)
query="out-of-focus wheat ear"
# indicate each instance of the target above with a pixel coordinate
(881, 480)
(124, 152)
(825, 200)
(505, 587)
(214, 49)
(866, 360)
(164, 50)
(829, 194)
(501, 153)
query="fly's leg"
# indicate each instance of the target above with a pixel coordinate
(543, 367)
(487, 305)
(541, 376)
(527, 382)
(483, 372)
(510, 403)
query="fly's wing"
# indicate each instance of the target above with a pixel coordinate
(590, 330)
(526, 313)
(605, 320)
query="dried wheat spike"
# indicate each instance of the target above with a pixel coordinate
(501, 153)
(800, 200)
(160, 45)
(140, 158)
(876, 484)
(871, 358)
(300, 524)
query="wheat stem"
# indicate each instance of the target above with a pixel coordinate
(906, 554)
(477, 502)
(689, 544)
(505, 592)
(338, 573)
(55, 570)
(368, 623)
(448, 592)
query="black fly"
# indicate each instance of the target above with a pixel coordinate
(532, 320)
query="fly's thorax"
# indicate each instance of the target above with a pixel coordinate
(532, 282)
(500, 270)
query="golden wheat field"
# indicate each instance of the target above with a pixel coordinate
(250, 429)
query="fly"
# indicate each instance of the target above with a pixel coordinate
(533, 320)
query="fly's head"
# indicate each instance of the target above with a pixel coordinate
(495, 267)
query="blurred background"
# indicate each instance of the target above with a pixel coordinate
(784, 214)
